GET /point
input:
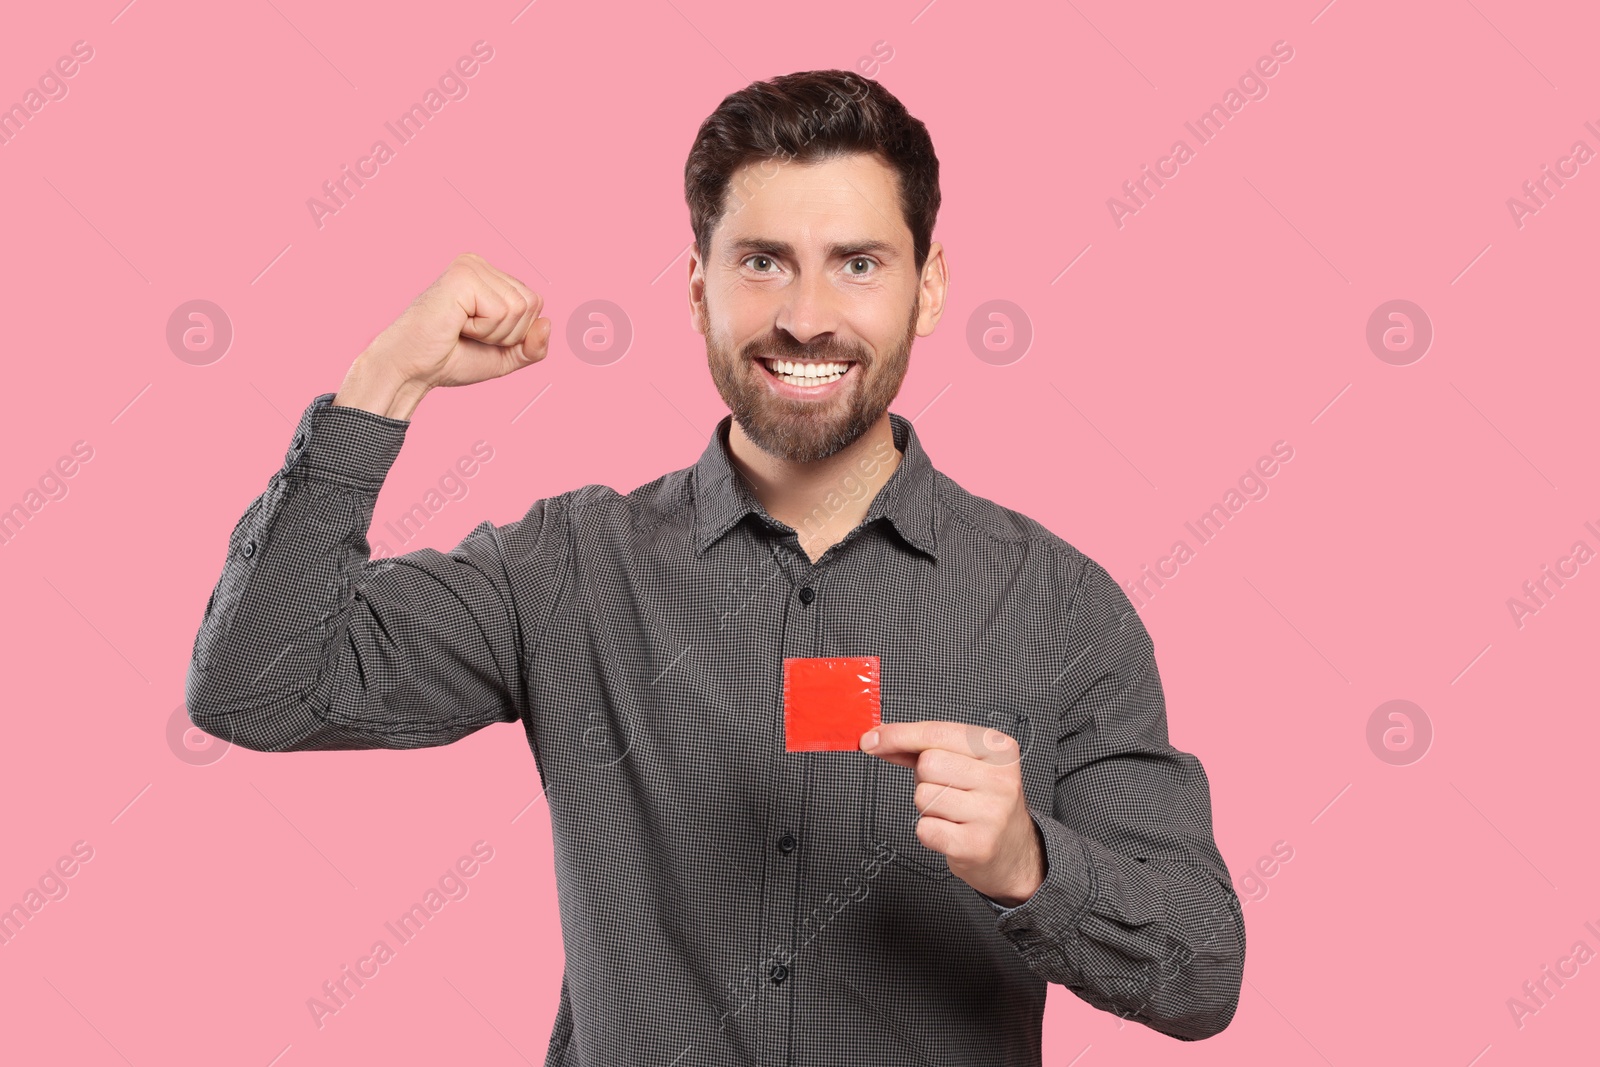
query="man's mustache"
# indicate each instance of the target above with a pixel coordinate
(780, 349)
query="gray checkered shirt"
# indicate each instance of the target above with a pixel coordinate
(723, 901)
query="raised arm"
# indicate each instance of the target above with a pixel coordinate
(307, 642)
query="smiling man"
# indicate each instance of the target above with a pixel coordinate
(1018, 818)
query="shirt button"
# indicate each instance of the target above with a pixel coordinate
(787, 844)
(299, 439)
(778, 973)
(248, 550)
(807, 594)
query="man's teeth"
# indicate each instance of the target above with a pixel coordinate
(807, 373)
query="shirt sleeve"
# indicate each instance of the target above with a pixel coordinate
(308, 643)
(1137, 914)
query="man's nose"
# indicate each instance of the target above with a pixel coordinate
(810, 308)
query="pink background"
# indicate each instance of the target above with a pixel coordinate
(1229, 313)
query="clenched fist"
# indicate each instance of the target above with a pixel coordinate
(472, 324)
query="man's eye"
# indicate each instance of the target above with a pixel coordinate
(759, 258)
(863, 260)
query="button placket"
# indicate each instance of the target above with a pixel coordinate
(787, 814)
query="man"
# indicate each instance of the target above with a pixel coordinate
(1018, 818)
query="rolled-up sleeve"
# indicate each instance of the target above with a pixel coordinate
(1137, 914)
(308, 643)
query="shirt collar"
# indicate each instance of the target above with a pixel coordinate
(906, 500)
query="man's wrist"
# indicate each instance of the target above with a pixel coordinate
(368, 387)
(1036, 867)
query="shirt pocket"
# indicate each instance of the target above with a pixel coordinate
(889, 816)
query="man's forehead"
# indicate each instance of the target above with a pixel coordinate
(846, 204)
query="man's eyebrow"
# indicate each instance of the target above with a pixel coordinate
(745, 246)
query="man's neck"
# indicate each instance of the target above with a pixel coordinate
(805, 495)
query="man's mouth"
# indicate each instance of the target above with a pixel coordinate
(804, 373)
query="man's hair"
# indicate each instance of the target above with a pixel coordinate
(809, 117)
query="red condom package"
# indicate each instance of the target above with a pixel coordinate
(828, 703)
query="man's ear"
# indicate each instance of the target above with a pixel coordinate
(933, 289)
(697, 292)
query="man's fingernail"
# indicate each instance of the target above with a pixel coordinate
(869, 740)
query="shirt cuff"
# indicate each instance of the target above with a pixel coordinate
(1056, 906)
(350, 446)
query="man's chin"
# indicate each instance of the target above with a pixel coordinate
(802, 439)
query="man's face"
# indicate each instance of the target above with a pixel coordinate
(811, 264)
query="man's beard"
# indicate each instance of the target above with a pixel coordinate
(803, 431)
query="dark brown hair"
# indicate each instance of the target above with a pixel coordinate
(808, 117)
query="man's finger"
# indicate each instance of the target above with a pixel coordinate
(943, 767)
(947, 802)
(937, 834)
(895, 741)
